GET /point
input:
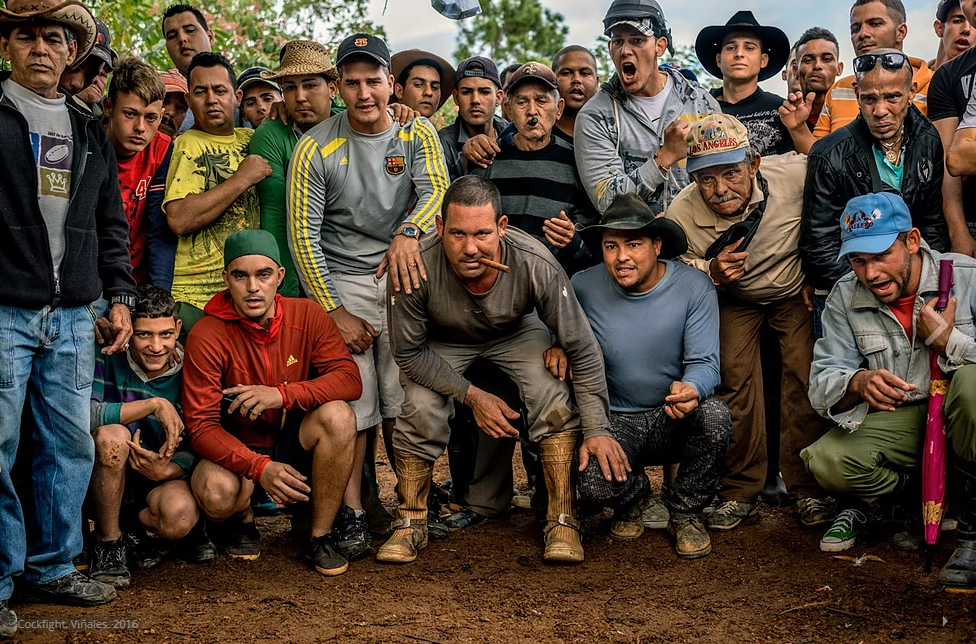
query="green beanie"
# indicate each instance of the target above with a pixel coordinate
(251, 242)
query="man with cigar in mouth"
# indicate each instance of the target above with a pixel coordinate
(546, 199)
(465, 310)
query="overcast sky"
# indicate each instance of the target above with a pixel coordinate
(413, 23)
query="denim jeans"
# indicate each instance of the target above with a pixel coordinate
(53, 351)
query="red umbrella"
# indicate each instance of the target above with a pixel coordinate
(934, 455)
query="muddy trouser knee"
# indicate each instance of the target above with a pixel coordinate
(868, 463)
(698, 442)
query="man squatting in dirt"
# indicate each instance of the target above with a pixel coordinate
(465, 310)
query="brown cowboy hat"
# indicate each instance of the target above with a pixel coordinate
(401, 60)
(72, 14)
(302, 58)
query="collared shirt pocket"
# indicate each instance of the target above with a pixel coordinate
(874, 348)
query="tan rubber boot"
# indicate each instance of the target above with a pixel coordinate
(410, 528)
(562, 535)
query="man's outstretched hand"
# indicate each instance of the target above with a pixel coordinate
(609, 454)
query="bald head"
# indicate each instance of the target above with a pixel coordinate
(903, 74)
(884, 96)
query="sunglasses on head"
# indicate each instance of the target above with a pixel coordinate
(892, 61)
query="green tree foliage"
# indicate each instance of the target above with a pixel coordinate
(248, 32)
(511, 31)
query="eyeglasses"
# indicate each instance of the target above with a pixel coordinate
(892, 61)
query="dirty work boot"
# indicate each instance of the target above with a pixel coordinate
(628, 524)
(410, 528)
(691, 540)
(959, 573)
(562, 531)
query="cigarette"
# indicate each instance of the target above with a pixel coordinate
(490, 264)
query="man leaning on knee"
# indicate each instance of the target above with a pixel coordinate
(465, 310)
(640, 303)
(265, 393)
(871, 374)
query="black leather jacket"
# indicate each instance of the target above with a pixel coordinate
(96, 232)
(841, 166)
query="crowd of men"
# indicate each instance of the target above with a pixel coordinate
(223, 290)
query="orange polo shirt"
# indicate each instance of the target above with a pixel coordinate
(840, 106)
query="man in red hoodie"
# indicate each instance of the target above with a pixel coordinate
(266, 385)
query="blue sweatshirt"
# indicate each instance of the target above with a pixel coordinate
(650, 340)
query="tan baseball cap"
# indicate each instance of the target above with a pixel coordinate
(717, 139)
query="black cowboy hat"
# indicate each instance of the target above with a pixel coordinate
(628, 211)
(775, 44)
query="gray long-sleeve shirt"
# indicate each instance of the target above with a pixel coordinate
(444, 309)
(348, 193)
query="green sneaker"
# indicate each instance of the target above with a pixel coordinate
(843, 531)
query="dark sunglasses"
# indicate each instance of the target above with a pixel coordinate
(892, 61)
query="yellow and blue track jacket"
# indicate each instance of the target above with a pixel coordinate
(348, 193)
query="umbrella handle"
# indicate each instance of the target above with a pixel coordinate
(945, 284)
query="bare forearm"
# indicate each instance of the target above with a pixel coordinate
(194, 212)
(137, 410)
(952, 207)
(803, 139)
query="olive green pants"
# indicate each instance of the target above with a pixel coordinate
(868, 462)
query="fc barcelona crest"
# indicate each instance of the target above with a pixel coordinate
(395, 165)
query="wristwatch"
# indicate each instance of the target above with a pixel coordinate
(128, 300)
(409, 230)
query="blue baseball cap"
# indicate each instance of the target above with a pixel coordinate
(871, 223)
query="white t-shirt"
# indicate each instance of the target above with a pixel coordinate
(49, 126)
(653, 106)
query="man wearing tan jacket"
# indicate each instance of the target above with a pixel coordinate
(743, 228)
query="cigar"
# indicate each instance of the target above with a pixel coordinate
(491, 264)
(533, 121)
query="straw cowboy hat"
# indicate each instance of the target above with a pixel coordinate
(303, 58)
(72, 14)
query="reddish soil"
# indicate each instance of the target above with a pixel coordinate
(762, 583)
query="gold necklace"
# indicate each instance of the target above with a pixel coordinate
(892, 150)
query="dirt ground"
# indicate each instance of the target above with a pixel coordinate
(767, 582)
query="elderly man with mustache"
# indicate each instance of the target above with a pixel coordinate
(743, 228)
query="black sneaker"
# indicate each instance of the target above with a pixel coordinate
(144, 552)
(464, 518)
(324, 554)
(73, 589)
(241, 540)
(8, 620)
(109, 563)
(352, 534)
(196, 547)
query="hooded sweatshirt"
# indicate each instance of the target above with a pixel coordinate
(301, 353)
(616, 143)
